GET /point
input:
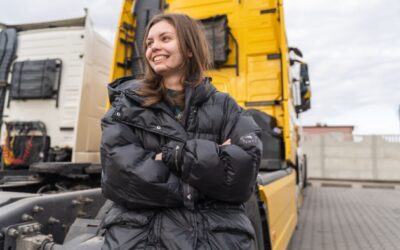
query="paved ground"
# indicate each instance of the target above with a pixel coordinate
(348, 218)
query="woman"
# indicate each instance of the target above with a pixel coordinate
(179, 158)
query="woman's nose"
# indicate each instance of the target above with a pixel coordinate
(155, 45)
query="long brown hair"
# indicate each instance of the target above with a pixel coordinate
(194, 50)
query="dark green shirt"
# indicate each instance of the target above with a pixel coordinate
(176, 108)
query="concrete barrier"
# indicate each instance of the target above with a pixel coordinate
(368, 157)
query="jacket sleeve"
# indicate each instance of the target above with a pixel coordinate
(130, 175)
(227, 173)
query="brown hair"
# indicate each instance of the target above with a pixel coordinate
(191, 40)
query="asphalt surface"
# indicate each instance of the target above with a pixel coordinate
(347, 217)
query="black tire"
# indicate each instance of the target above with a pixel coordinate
(252, 206)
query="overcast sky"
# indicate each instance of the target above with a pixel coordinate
(352, 47)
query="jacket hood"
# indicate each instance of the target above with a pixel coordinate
(202, 92)
(199, 94)
(127, 83)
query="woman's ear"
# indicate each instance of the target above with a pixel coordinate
(190, 54)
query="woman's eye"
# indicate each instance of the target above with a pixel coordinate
(149, 43)
(166, 39)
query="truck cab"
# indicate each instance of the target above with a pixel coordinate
(54, 77)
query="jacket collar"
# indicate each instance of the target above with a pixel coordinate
(199, 94)
(130, 110)
(120, 85)
(193, 95)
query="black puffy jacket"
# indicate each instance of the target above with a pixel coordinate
(192, 198)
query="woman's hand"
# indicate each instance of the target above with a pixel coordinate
(158, 157)
(227, 142)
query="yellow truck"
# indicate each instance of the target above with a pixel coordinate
(253, 63)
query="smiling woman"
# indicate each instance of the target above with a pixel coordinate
(179, 158)
(176, 51)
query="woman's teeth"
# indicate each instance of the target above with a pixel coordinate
(159, 58)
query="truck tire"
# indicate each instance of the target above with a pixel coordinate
(259, 222)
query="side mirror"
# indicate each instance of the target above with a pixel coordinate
(305, 90)
(304, 72)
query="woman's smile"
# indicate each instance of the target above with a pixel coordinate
(159, 58)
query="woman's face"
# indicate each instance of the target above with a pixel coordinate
(163, 53)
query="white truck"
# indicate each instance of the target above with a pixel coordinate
(52, 95)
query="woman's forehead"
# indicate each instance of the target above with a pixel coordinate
(160, 28)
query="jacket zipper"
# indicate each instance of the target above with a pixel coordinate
(176, 157)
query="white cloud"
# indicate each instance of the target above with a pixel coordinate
(353, 52)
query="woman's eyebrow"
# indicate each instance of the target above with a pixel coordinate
(166, 32)
(161, 34)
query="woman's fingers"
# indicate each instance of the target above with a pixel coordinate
(158, 157)
(227, 142)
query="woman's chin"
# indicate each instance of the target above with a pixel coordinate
(165, 72)
(160, 70)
